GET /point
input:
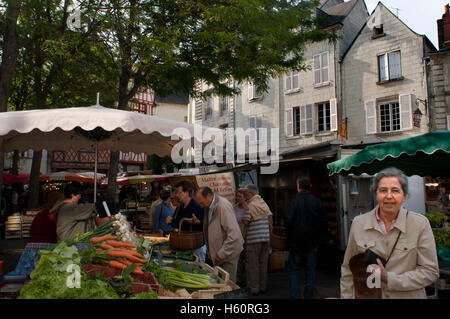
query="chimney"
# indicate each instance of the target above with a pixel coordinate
(443, 26)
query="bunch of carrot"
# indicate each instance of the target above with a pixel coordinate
(119, 254)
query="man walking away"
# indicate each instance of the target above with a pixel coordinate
(258, 225)
(306, 223)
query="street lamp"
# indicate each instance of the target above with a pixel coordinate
(417, 116)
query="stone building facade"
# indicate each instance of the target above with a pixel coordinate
(439, 77)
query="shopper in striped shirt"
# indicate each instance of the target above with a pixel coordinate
(258, 225)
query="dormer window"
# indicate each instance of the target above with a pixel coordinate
(378, 31)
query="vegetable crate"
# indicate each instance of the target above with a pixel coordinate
(26, 225)
(13, 228)
(224, 285)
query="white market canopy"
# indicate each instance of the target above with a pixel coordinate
(82, 127)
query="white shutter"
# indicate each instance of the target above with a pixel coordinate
(316, 68)
(324, 60)
(309, 110)
(250, 91)
(371, 117)
(295, 80)
(287, 81)
(302, 119)
(394, 65)
(405, 102)
(289, 122)
(333, 115)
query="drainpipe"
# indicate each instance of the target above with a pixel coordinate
(426, 61)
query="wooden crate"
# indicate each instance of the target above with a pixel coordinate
(13, 229)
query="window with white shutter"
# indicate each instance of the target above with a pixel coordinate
(320, 68)
(389, 116)
(292, 82)
(389, 66)
(323, 117)
(253, 92)
(406, 101)
(371, 117)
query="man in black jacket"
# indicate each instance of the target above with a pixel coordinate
(306, 223)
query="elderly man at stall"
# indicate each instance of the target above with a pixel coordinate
(400, 241)
(222, 234)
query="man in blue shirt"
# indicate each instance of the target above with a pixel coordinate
(162, 211)
(190, 210)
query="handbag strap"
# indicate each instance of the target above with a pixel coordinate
(396, 241)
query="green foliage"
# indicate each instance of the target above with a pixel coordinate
(442, 237)
(169, 45)
(437, 219)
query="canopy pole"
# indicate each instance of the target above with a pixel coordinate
(95, 172)
(98, 98)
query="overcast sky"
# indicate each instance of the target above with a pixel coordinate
(419, 15)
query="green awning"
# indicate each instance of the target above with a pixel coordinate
(423, 155)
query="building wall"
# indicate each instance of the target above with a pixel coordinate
(439, 89)
(308, 94)
(360, 76)
(175, 112)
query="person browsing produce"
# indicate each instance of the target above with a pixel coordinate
(73, 218)
(191, 211)
(223, 236)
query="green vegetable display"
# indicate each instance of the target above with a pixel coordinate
(436, 219)
(51, 278)
(170, 278)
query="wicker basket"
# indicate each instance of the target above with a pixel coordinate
(186, 240)
(278, 238)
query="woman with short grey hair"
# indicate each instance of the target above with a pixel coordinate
(399, 242)
(390, 172)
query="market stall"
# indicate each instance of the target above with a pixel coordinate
(113, 262)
